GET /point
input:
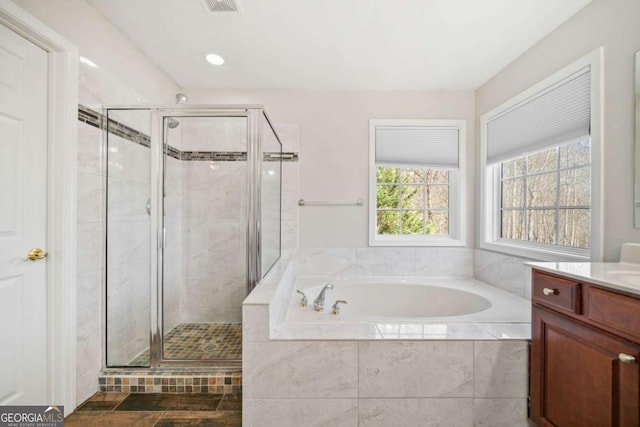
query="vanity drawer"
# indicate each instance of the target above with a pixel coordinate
(556, 293)
(615, 311)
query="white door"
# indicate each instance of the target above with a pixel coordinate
(23, 218)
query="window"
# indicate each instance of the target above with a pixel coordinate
(412, 201)
(545, 197)
(416, 170)
(540, 169)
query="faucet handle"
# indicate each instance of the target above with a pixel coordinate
(303, 301)
(336, 308)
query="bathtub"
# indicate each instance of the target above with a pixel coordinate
(409, 351)
(415, 307)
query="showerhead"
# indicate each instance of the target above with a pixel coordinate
(181, 98)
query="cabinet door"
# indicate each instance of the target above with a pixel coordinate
(577, 378)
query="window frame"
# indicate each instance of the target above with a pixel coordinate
(489, 218)
(457, 188)
(497, 176)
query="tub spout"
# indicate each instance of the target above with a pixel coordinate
(318, 303)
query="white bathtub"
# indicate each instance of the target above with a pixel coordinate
(409, 346)
(408, 300)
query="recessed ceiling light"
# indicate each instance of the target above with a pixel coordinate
(214, 59)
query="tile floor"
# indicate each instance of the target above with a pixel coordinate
(158, 410)
(200, 341)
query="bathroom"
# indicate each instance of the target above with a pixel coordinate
(323, 115)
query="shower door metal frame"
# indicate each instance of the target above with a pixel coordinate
(254, 147)
(253, 114)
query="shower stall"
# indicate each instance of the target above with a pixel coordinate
(193, 210)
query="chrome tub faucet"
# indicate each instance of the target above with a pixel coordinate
(318, 303)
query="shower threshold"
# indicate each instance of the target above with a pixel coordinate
(210, 352)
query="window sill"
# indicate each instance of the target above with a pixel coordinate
(534, 253)
(433, 242)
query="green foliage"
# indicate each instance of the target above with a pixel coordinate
(390, 197)
(412, 222)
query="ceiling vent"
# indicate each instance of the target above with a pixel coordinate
(215, 6)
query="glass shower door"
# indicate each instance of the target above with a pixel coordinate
(205, 236)
(271, 189)
(128, 257)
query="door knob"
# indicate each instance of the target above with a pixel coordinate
(35, 254)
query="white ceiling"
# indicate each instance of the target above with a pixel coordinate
(338, 44)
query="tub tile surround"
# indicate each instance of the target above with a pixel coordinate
(398, 374)
(502, 271)
(500, 413)
(415, 369)
(376, 261)
(313, 369)
(424, 412)
(290, 412)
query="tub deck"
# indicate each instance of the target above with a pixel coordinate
(507, 318)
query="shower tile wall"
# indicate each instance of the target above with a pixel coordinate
(213, 222)
(214, 217)
(96, 87)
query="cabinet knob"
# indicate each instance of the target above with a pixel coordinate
(549, 291)
(626, 358)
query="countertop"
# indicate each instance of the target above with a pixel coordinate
(622, 276)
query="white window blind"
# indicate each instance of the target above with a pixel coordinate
(433, 146)
(554, 115)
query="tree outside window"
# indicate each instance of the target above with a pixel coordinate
(412, 201)
(546, 196)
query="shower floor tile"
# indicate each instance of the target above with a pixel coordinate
(200, 341)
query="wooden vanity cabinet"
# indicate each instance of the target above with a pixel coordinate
(584, 354)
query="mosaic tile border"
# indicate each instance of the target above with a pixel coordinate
(285, 156)
(172, 152)
(197, 382)
(214, 156)
(95, 119)
(98, 120)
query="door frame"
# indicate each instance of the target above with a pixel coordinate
(62, 117)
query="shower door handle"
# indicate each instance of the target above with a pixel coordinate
(162, 239)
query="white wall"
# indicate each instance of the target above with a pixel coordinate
(98, 40)
(334, 144)
(614, 25)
